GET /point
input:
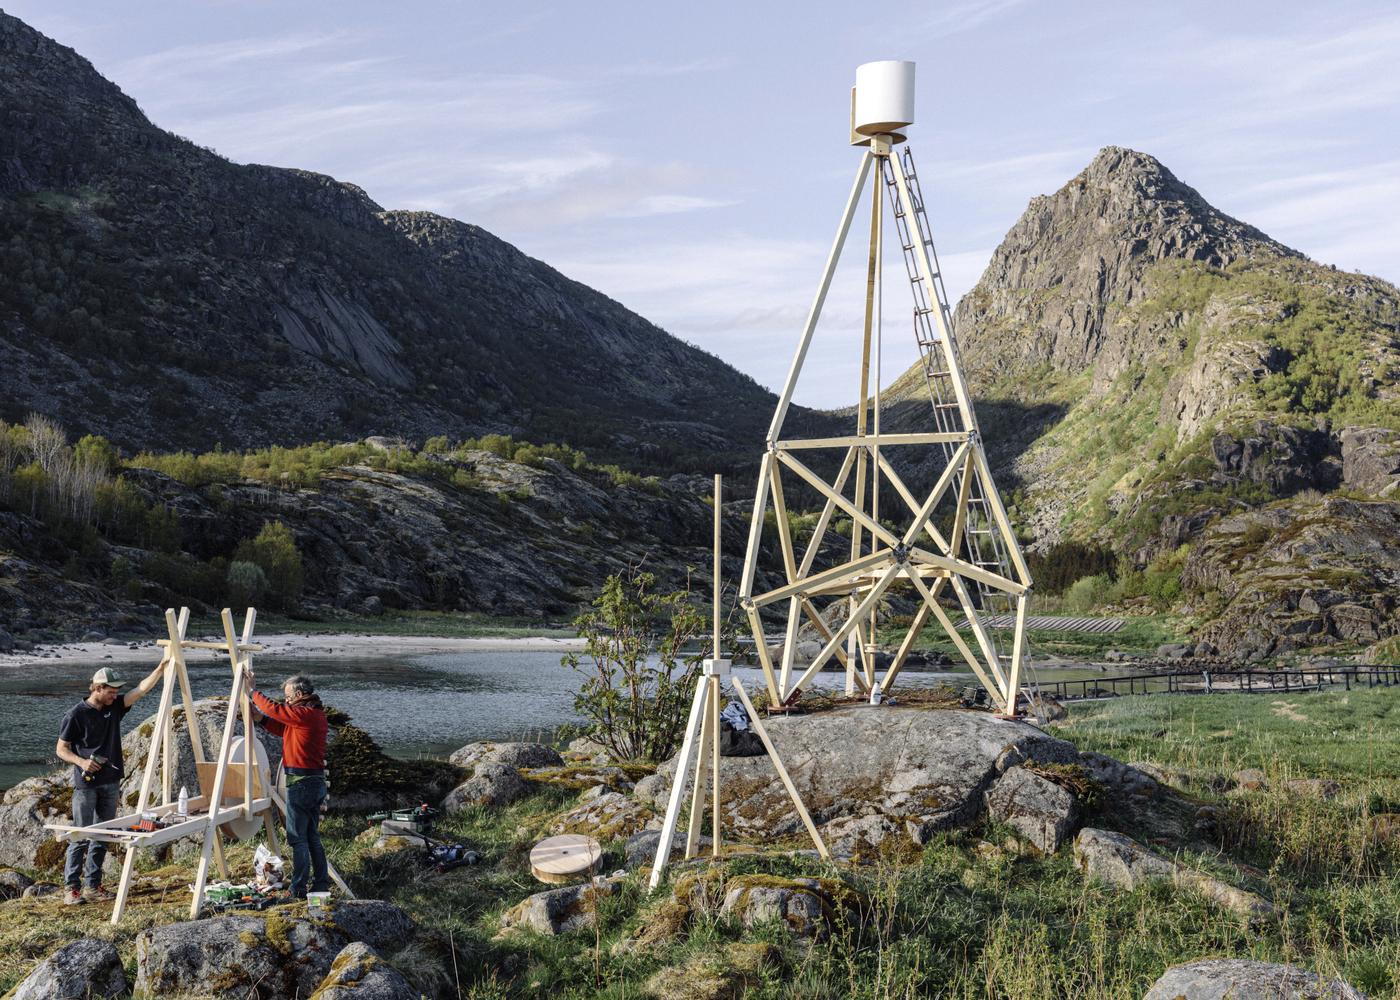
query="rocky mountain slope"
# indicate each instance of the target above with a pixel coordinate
(164, 297)
(1164, 382)
(466, 531)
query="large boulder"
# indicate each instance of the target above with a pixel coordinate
(491, 785)
(1041, 811)
(1239, 979)
(558, 911)
(267, 957)
(24, 810)
(920, 770)
(513, 754)
(83, 970)
(1118, 860)
(13, 883)
(605, 816)
(373, 921)
(800, 904)
(358, 973)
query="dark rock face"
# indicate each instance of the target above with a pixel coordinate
(373, 921)
(1283, 459)
(1295, 576)
(333, 313)
(86, 969)
(1370, 460)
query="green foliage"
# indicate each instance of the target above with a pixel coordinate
(637, 683)
(1089, 593)
(246, 584)
(274, 551)
(98, 451)
(1059, 566)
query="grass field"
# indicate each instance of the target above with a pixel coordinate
(953, 919)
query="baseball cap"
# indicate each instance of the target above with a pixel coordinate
(109, 677)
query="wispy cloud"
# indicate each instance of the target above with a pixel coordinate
(185, 60)
(954, 18)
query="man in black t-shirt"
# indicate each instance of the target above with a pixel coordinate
(90, 738)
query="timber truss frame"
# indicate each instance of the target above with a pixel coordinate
(954, 543)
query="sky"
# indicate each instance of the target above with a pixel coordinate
(691, 161)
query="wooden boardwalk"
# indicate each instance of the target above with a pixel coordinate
(1050, 623)
(1252, 681)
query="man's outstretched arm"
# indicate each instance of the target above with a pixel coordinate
(147, 682)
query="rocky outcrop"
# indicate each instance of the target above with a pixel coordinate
(359, 973)
(515, 755)
(378, 923)
(270, 957)
(491, 785)
(558, 911)
(1282, 459)
(605, 816)
(1116, 859)
(801, 905)
(1371, 460)
(906, 769)
(1041, 811)
(1240, 979)
(1293, 576)
(86, 969)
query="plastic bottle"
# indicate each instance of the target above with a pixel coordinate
(875, 694)
(183, 808)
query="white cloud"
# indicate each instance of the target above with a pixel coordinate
(954, 18)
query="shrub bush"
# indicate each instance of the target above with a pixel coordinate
(246, 584)
(637, 684)
(274, 551)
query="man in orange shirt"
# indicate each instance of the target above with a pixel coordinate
(301, 722)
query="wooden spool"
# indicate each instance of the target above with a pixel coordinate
(564, 859)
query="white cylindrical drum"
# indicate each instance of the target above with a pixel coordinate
(884, 96)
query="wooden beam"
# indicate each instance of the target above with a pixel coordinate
(814, 314)
(762, 731)
(874, 440)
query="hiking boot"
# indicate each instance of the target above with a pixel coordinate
(72, 897)
(99, 895)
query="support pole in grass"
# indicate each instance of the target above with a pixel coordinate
(702, 734)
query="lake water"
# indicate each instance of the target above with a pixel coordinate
(424, 705)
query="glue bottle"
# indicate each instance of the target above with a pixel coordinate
(183, 807)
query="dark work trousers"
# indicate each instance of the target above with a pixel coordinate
(305, 793)
(91, 804)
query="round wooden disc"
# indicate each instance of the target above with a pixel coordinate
(565, 858)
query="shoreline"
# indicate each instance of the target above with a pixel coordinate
(291, 645)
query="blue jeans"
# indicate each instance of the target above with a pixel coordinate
(304, 798)
(91, 804)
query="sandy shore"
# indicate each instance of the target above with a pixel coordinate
(293, 646)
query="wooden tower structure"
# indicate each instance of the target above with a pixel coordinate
(953, 542)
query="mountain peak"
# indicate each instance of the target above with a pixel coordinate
(1089, 246)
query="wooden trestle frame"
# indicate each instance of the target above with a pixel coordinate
(920, 555)
(702, 740)
(241, 812)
